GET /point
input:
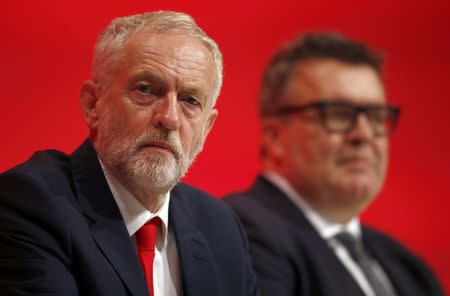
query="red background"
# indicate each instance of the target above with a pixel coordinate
(46, 49)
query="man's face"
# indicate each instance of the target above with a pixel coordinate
(337, 173)
(157, 111)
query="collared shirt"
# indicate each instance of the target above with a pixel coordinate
(327, 230)
(166, 265)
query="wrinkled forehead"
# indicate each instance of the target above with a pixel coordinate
(328, 79)
(172, 55)
(169, 43)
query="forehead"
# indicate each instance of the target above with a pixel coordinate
(321, 79)
(171, 54)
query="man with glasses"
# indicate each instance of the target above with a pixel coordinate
(325, 129)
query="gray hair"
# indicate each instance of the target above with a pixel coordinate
(110, 44)
(308, 47)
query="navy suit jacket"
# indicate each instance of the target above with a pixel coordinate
(61, 233)
(290, 258)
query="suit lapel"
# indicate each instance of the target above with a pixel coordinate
(199, 275)
(394, 273)
(106, 223)
(333, 277)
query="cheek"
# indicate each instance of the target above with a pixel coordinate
(131, 123)
(137, 120)
(199, 135)
(106, 122)
(333, 149)
(325, 149)
(382, 155)
(323, 153)
(193, 135)
(188, 133)
(313, 155)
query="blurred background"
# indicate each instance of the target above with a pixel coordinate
(46, 49)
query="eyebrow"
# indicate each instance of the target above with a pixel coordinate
(147, 76)
(162, 83)
(194, 91)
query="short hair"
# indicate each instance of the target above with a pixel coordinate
(109, 49)
(308, 47)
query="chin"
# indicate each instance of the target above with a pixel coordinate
(162, 175)
(361, 187)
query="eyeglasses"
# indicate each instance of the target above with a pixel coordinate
(340, 117)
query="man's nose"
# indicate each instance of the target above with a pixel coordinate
(166, 112)
(362, 129)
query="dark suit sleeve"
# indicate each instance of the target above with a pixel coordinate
(276, 275)
(251, 277)
(33, 245)
(276, 272)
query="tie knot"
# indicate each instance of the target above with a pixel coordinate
(352, 244)
(146, 235)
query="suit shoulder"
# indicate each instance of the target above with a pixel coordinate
(250, 207)
(184, 189)
(384, 238)
(261, 220)
(37, 199)
(396, 248)
(211, 215)
(238, 197)
(199, 200)
(38, 183)
(242, 200)
(41, 164)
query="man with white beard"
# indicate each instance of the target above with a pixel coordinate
(112, 218)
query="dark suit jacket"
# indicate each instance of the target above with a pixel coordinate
(290, 258)
(61, 233)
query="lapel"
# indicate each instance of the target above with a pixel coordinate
(198, 270)
(106, 223)
(323, 268)
(378, 250)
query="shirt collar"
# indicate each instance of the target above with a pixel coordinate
(134, 214)
(326, 229)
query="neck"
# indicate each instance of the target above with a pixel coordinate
(152, 201)
(336, 212)
(335, 216)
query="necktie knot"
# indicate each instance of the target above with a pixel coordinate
(146, 235)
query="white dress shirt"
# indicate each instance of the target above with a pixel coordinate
(327, 230)
(166, 265)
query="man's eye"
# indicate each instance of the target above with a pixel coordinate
(145, 89)
(191, 101)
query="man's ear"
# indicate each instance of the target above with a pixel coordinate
(272, 129)
(210, 121)
(208, 126)
(89, 98)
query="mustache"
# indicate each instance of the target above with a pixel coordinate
(166, 139)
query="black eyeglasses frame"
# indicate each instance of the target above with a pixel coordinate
(392, 113)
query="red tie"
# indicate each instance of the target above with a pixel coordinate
(145, 242)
